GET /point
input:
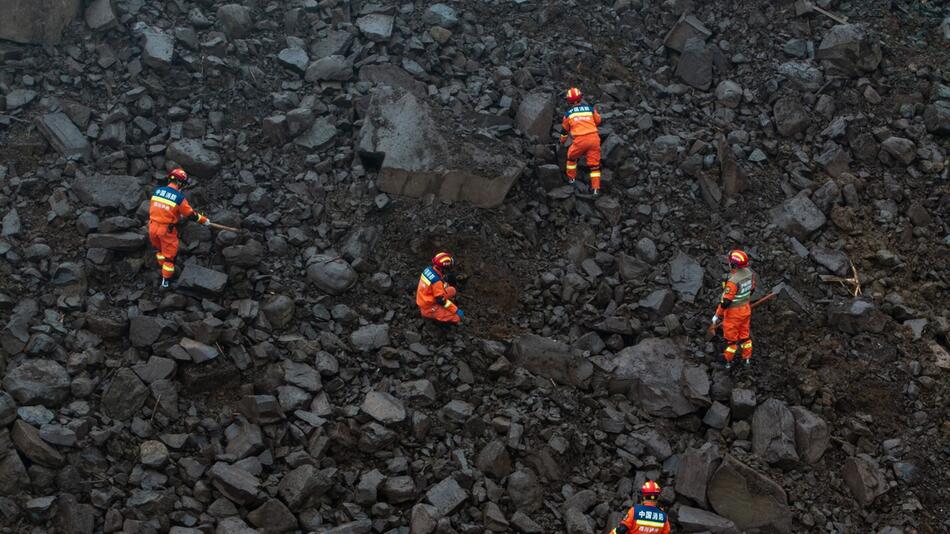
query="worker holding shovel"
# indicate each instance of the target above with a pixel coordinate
(168, 206)
(734, 310)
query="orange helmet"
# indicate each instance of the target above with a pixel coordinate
(178, 174)
(574, 95)
(738, 258)
(443, 260)
(650, 490)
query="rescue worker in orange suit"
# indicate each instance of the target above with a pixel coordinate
(168, 206)
(434, 294)
(734, 310)
(646, 517)
(580, 122)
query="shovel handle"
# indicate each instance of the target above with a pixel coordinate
(223, 227)
(763, 300)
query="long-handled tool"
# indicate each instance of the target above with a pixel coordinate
(804, 6)
(223, 227)
(711, 331)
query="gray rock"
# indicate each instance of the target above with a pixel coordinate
(419, 391)
(790, 116)
(686, 276)
(748, 498)
(717, 416)
(124, 396)
(457, 411)
(236, 484)
(611, 209)
(631, 268)
(865, 478)
(850, 48)
(575, 522)
(36, 21)
(696, 467)
(803, 74)
(834, 159)
(158, 47)
(330, 68)
(261, 409)
(854, 316)
(235, 20)
(773, 434)
(687, 27)
(320, 135)
(658, 376)
(125, 241)
(153, 454)
(535, 115)
(279, 310)
(295, 59)
(156, 368)
(8, 409)
(64, 136)
(551, 359)
(812, 435)
(742, 403)
(19, 98)
(383, 407)
(657, 304)
(331, 274)
(398, 489)
(446, 496)
(696, 520)
(368, 487)
(440, 15)
(695, 65)
(58, 435)
(798, 216)
(109, 191)
(834, 260)
(363, 526)
(199, 352)
(376, 27)
(303, 485)
(902, 149)
(28, 441)
(202, 280)
(729, 94)
(37, 381)
(415, 156)
(370, 337)
(654, 444)
(145, 330)
(73, 517)
(494, 518)
(273, 517)
(194, 157)
(11, 224)
(937, 118)
(494, 460)
(100, 15)
(335, 43)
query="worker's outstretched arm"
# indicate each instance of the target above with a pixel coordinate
(597, 118)
(188, 212)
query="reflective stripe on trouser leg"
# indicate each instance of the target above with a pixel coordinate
(746, 349)
(730, 352)
(595, 177)
(168, 270)
(160, 259)
(571, 169)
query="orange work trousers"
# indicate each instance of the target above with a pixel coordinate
(164, 238)
(735, 330)
(588, 147)
(440, 313)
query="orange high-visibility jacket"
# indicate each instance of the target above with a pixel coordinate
(433, 291)
(169, 205)
(644, 519)
(581, 119)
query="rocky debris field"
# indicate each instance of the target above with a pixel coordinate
(288, 385)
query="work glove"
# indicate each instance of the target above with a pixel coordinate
(207, 222)
(715, 319)
(460, 313)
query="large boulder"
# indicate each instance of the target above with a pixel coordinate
(854, 316)
(64, 136)
(696, 520)
(658, 375)
(850, 48)
(696, 467)
(695, 65)
(812, 435)
(194, 157)
(864, 478)
(551, 359)
(686, 275)
(798, 216)
(748, 498)
(124, 396)
(937, 118)
(36, 21)
(773, 434)
(38, 381)
(331, 274)
(417, 155)
(109, 191)
(790, 116)
(535, 115)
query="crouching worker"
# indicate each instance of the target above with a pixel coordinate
(434, 294)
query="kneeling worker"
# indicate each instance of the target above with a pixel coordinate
(434, 294)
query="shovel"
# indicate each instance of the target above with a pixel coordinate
(711, 331)
(223, 227)
(805, 6)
